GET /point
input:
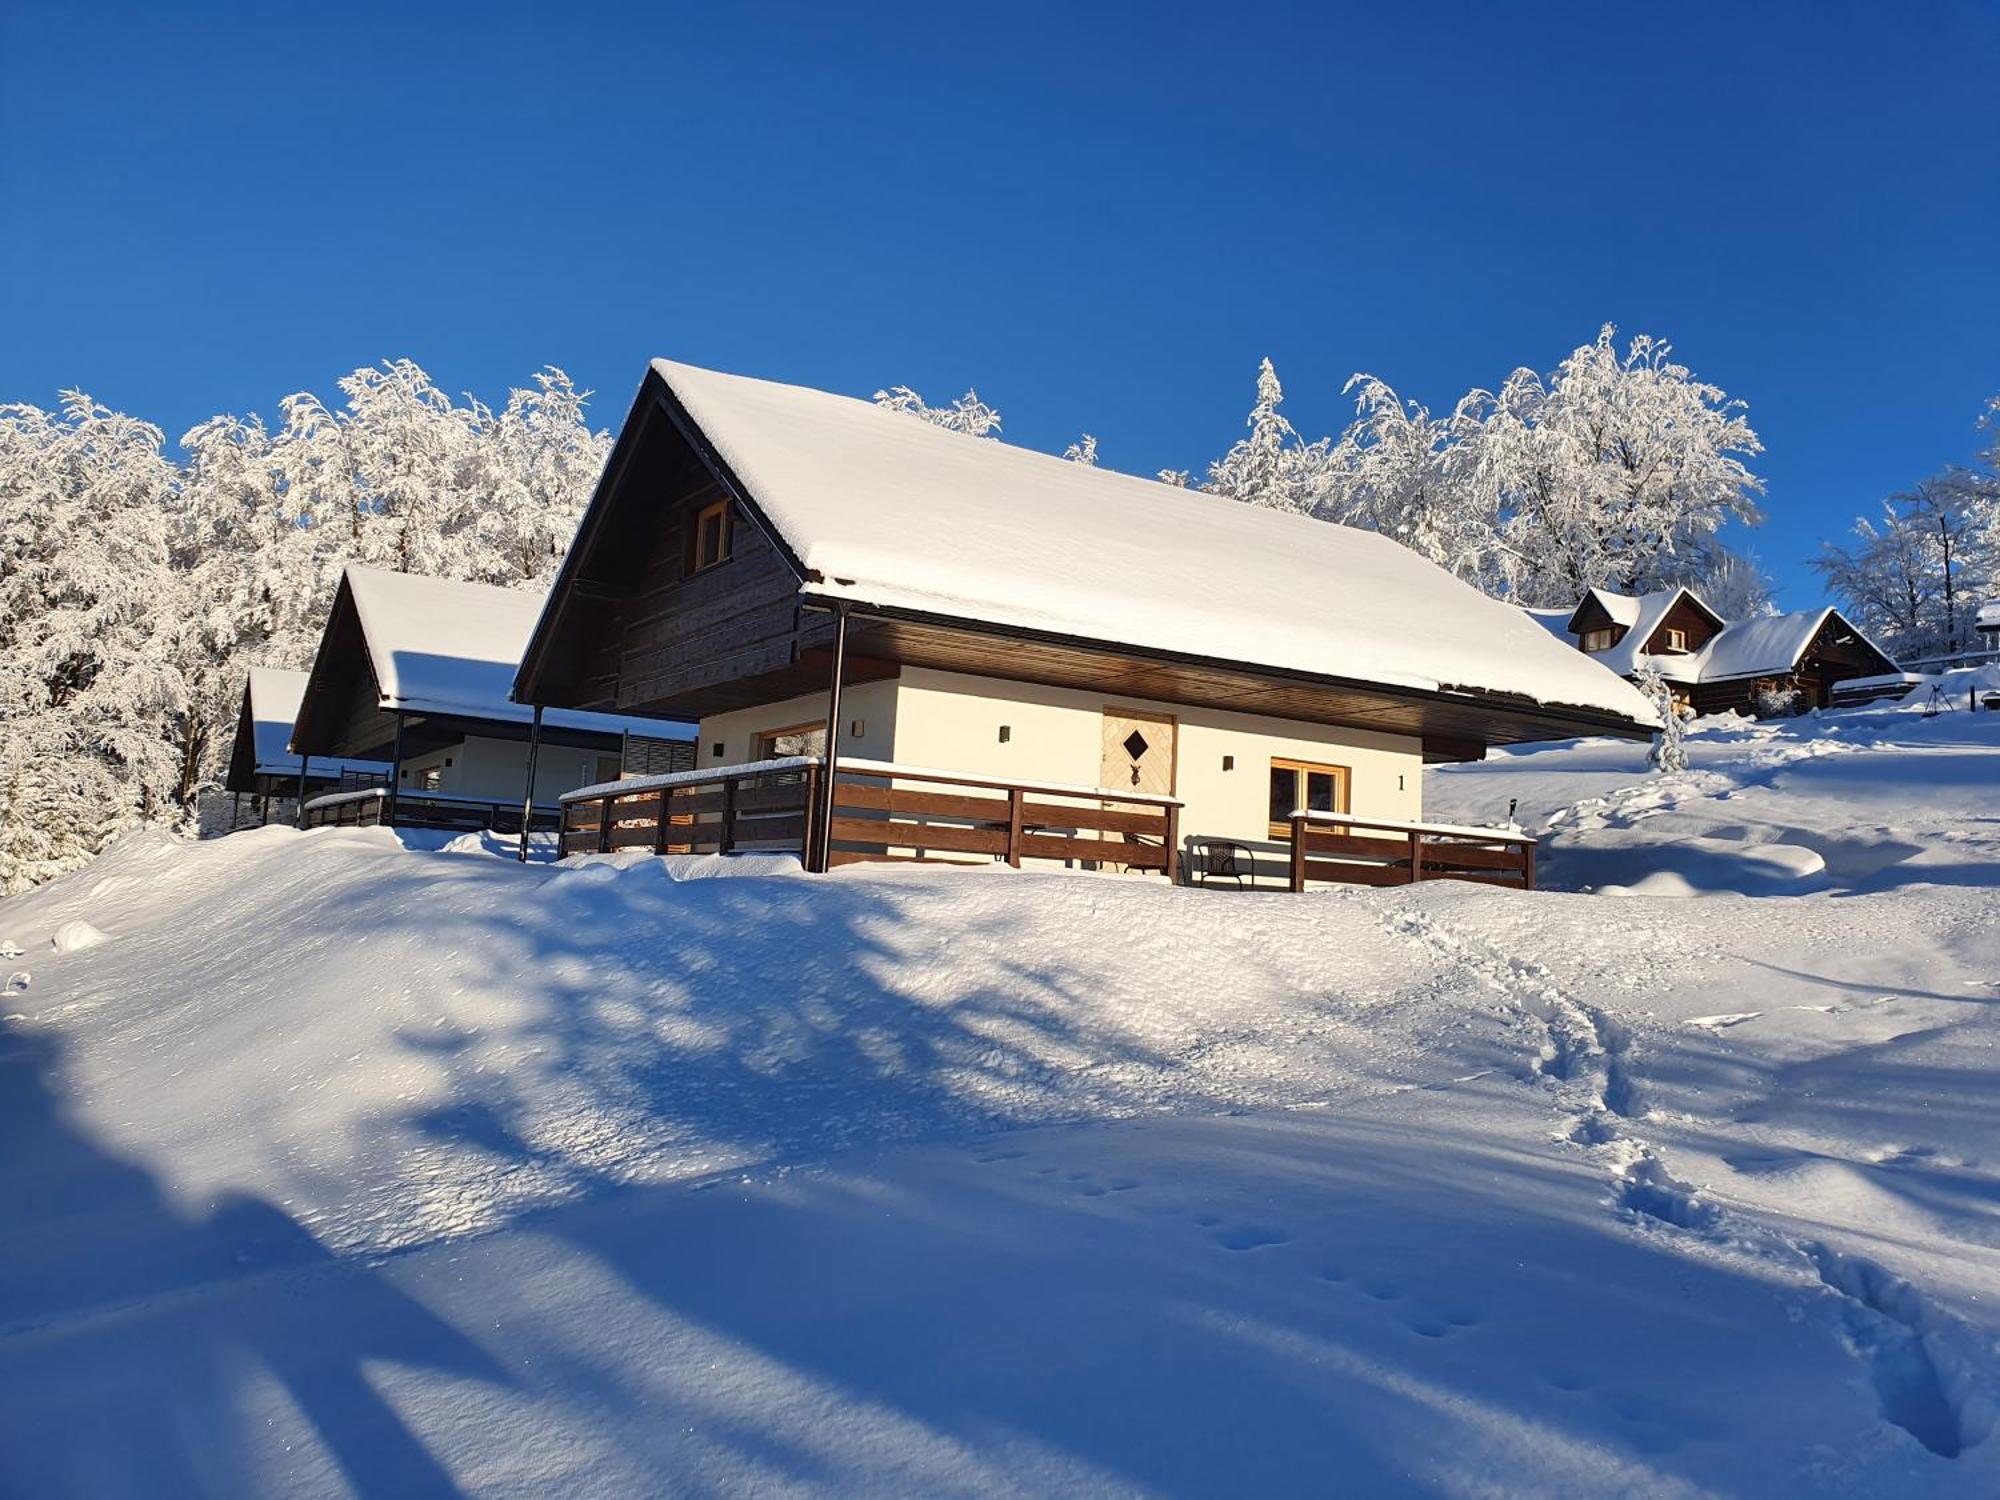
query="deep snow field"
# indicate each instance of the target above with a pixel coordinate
(334, 1166)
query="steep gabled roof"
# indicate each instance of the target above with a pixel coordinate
(893, 514)
(1762, 646)
(401, 643)
(271, 697)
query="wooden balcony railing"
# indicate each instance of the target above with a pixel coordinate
(1354, 851)
(370, 806)
(881, 811)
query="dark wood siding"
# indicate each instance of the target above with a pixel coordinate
(635, 630)
(1684, 615)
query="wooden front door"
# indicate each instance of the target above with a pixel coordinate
(1138, 752)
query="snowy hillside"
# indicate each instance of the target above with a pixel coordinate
(336, 1167)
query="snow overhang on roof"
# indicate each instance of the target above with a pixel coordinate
(451, 649)
(890, 513)
(273, 695)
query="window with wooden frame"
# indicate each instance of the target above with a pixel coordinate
(1305, 784)
(708, 537)
(1677, 640)
(1599, 640)
(794, 739)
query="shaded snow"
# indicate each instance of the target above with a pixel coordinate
(351, 1167)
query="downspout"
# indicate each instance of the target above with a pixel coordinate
(823, 810)
(395, 775)
(528, 794)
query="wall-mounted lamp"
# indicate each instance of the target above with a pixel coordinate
(1228, 762)
(856, 729)
(1006, 733)
(716, 749)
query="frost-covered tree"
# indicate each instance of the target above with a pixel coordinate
(1083, 451)
(87, 591)
(968, 414)
(1273, 466)
(1669, 752)
(1618, 470)
(1915, 578)
(1397, 470)
(134, 592)
(1735, 586)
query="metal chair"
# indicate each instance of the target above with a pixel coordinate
(1222, 859)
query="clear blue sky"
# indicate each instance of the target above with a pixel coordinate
(1102, 217)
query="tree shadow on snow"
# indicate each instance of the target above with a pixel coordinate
(146, 1350)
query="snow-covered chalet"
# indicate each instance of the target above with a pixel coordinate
(413, 672)
(1033, 659)
(1777, 662)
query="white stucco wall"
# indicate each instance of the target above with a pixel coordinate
(952, 721)
(872, 705)
(496, 769)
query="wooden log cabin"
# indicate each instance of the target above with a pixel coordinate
(262, 765)
(414, 672)
(1749, 666)
(808, 575)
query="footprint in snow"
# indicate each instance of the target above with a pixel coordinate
(1251, 1237)
(17, 982)
(11, 949)
(1724, 1022)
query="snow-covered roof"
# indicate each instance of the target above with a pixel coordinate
(1760, 646)
(1766, 644)
(1624, 609)
(1988, 617)
(1555, 622)
(886, 511)
(441, 647)
(274, 695)
(1642, 614)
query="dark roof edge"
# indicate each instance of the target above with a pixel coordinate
(1598, 719)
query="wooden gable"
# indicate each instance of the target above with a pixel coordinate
(1687, 614)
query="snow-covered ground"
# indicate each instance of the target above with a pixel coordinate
(338, 1167)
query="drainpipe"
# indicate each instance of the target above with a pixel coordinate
(528, 796)
(823, 812)
(395, 774)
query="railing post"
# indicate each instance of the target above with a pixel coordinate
(810, 838)
(1014, 800)
(1298, 852)
(1173, 844)
(1416, 856)
(1528, 866)
(726, 838)
(603, 825)
(661, 820)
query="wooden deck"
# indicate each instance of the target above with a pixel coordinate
(1332, 848)
(369, 808)
(904, 814)
(880, 812)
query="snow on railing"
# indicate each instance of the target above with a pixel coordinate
(632, 786)
(1347, 850)
(336, 799)
(1511, 834)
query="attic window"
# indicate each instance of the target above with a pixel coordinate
(709, 539)
(1598, 640)
(1677, 640)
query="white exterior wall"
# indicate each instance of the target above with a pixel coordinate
(496, 769)
(951, 721)
(874, 705)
